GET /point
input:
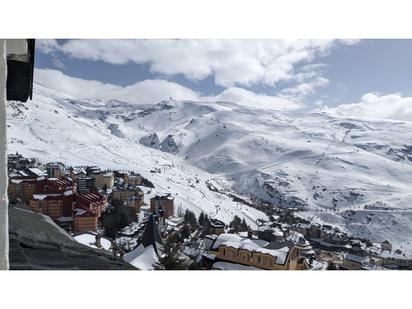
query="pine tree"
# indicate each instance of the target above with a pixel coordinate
(170, 259)
(190, 218)
(244, 226)
(180, 212)
(236, 224)
(117, 218)
(201, 219)
(206, 225)
(185, 232)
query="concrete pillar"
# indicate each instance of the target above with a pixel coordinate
(4, 227)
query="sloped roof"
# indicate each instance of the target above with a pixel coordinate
(146, 253)
(151, 234)
(238, 242)
(37, 172)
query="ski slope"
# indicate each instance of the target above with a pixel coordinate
(352, 173)
(53, 127)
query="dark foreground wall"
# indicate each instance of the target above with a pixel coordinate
(36, 242)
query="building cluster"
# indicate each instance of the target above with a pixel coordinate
(57, 198)
(74, 197)
(271, 246)
(350, 253)
(18, 162)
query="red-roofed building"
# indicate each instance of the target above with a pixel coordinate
(84, 220)
(54, 185)
(23, 187)
(48, 204)
(95, 202)
(67, 189)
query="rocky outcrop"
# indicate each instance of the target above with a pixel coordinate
(169, 145)
(151, 140)
(115, 130)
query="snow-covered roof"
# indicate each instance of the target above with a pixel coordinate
(67, 193)
(134, 176)
(37, 172)
(39, 196)
(356, 258)
(132, 228)
(274, 230)
(163, 196)
(16, 181)
(304, 225)
(79, 211)
(217, 223)
(297, 238)
(89, 239)
(78, 170)
(144, 258)
(43, 196)
(238, 242)
(277, 232)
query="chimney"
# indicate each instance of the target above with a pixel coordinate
(98, 242)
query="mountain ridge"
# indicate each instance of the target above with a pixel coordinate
(326, 166)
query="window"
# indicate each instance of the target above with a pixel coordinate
(223, 251)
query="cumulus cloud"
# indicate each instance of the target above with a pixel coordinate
(47, 46)
(372, 105)
(306, 88)
(152, 91)
(232, 63)
(58, 63)
(251, 99)
(144, 92)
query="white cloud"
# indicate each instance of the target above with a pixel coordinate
(47, 46)
(306, 88)
(144, 92)
(251, 99)
(153, 91)
(230, 62)
(372, 105)
(58, 63)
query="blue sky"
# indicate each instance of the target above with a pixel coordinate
(383, 66)
(307, 74)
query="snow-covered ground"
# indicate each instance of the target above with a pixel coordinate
(55, 127)
(351, 173)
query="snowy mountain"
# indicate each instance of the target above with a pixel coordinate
(352, 173)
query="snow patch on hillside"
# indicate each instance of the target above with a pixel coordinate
(336, 170)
